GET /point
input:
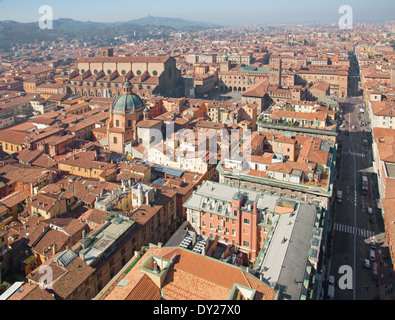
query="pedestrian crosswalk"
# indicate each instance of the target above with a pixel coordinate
(355, 154)
(353, 230)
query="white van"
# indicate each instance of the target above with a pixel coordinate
(372, 255)
(339, 196)
(331, 292)
(332, 280)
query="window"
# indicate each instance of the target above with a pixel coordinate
(138, 72)
(117, 123)
(129, 123)
(108, 71)
(115, 140)
(211, 226)
(246, 221)
(234, 233)
(246, 244)
(204, 223)
(123, 72)
(155, 73)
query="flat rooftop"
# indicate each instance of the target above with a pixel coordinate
(285, 263)
(390, 167)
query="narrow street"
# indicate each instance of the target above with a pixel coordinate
(357, 221)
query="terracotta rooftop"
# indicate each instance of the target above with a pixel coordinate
(191, 277)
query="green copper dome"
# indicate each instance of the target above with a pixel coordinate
(128, 102)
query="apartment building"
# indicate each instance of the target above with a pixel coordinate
(336, 77)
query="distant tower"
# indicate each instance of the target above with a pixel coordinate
(275, 66)
(140, 195)
(107, 52)
(225, 66)
(146, 113)
(393, 76)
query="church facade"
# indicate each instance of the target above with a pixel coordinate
(103, 76)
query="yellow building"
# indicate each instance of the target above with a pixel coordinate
(10, 206)
(11, 141)
(84, 164)
(48, 206)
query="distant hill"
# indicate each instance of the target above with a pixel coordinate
(175, 23)
(12, 32)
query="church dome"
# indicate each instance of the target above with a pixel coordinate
(128, 102)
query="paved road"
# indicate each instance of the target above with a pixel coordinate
(352, 230)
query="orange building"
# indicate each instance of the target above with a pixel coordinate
(218, 210)
(126, 111)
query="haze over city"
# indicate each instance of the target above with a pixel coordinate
(211, 150)
(230, 12)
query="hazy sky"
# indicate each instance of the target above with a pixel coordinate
(224, 12)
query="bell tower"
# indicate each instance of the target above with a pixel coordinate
(107, 52)
(275, 66)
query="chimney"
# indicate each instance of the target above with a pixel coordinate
(155, 270)
(54, 249)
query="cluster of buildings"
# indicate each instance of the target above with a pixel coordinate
(121, 180)
(376, 61)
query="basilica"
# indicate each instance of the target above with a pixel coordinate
(126, 111)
